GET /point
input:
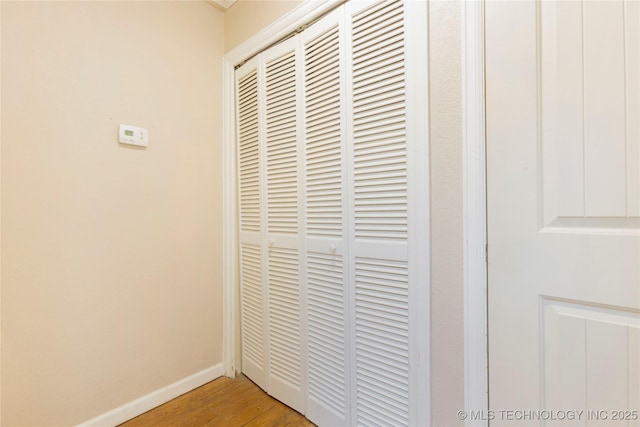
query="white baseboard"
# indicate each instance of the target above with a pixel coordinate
(156, 398)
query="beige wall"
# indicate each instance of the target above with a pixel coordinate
(0, 214)
(247, 18)
(447, 316)
(111, 283)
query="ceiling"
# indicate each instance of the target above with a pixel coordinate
(222, 4)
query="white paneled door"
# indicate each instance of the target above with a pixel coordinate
(333, 213)
(563, 161)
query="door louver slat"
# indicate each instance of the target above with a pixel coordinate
(249, 153)
(326, 330)
(252, 330)
(323, 148)
(382, 353)
(284, 317)
(282, 173)
(379, 141)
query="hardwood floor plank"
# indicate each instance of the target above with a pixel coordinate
(223, 402)
(279, 415)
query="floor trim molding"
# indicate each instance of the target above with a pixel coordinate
(155, 398)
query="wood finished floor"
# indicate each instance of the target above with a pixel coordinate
(225, 402)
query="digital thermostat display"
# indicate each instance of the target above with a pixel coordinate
(133, 135)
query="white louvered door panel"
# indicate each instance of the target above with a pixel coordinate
(388, 247)
(285, 221)
(325, 168)
(252, 291)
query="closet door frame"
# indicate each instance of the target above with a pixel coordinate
(476, 381)
(476, 367)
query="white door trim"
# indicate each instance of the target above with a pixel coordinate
(476, 387)
(0, 230)
(303, 14)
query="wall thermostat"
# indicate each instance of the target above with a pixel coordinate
(133, 135)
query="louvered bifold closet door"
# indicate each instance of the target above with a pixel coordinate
(325, 168)
(252, 289)
(389, 216)
(334, 220)
(285, 222)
